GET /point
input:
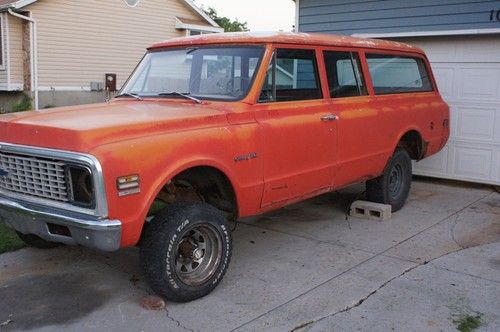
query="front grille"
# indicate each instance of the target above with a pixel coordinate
(33, 176)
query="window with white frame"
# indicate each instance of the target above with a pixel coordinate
(194, 32)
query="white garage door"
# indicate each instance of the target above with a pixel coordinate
(467, 70)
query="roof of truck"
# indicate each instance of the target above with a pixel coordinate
(285, 38)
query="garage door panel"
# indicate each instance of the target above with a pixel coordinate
(467, 71)
(474, 49)
(435, 164)
(479, 83)
(439, 51)
(465, 81)
(496, 129)
(454, 117)
(496, 166)
(445, 77)
(472, 163)
(475, 124)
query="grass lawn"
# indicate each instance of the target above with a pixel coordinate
(9, 241)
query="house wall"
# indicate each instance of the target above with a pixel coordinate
(16, 51)
(3, 72)
(14, 57)
(13, 60)
(80, 41)
(3, 79)
(361, 16)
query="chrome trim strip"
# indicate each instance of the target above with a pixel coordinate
(101, 209)
(84, 230)
(93, 224)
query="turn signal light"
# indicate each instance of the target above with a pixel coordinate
(128, 182)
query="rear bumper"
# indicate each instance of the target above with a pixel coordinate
(81, 229)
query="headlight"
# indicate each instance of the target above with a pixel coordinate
(80, 186)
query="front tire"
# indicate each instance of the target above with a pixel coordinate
(393, 186)
(37, 242)
(185, 251)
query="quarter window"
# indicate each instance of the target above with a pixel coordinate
(344, 74)
(292, 75)
(397, 74)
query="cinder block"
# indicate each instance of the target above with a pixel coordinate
(370, 210)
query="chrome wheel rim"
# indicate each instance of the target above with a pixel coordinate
(198, 254)
(395, 181)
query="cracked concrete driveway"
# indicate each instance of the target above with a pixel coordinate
(304, 267)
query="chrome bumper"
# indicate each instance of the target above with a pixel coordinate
(29, 218)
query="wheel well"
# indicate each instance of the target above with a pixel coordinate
(412, 143)
(202, 183)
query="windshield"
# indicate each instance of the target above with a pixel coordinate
(224, 73)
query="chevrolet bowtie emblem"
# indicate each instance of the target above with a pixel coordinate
(3, 173)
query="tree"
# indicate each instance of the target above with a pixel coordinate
(227, 24)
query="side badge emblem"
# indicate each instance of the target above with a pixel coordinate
(244, 157)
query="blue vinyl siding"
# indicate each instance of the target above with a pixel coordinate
(306, 78)
(382, 16)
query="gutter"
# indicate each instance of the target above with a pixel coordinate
(200, 12)
(428, 33)
(184, 26)
(16, 5)
(34, 52)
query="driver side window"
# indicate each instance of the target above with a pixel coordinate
(226, 73)
(292, 75)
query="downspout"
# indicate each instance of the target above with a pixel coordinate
(34, 52)
(297, 15)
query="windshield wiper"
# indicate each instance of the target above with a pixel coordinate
(184, 95)
(128, 94)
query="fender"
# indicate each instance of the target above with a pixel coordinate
(171, 172)
(174, 155)
(404, 132)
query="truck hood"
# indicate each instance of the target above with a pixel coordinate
(82, 128)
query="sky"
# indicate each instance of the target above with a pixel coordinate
(261, 15)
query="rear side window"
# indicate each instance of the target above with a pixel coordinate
(344, 74)
(292, 75)
(398, 74)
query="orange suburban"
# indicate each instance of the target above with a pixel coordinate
(212, 128)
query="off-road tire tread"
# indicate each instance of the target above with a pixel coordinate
(154, 243)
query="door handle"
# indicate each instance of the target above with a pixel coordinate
(329, 117)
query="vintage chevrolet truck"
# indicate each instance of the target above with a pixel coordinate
(212, 128)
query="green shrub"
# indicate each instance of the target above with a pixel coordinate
(23, 105)
(9, 241)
